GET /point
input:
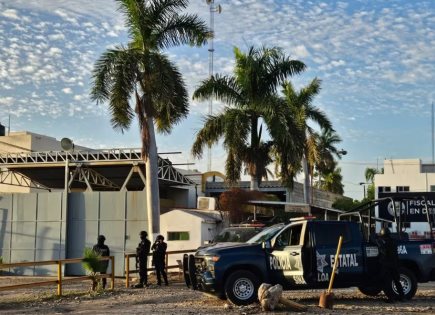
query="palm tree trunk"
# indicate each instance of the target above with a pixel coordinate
(306, 180)
(152, 183)
(254, 142)
(253, 185)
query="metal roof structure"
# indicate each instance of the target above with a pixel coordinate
(94, 170)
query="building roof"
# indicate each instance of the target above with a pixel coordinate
(103, 169)
(206, 215)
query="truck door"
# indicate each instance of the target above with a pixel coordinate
(285, 259)
(350, 264)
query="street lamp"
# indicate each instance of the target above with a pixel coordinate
(364, 185)
(342, 152)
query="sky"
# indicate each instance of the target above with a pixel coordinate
(376, 60)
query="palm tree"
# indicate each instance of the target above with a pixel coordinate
(250, 96)
(332, 181)
(370, 174)
(327, 141)
(141, 72)
(302, 109)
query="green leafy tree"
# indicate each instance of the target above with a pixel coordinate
(140, 72)
(250, 97)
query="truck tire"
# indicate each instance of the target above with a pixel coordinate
(409, 284)
(241, 287)
(370, 291)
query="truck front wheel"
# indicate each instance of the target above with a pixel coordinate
(370, 291)
(409, 285)
(241, 287)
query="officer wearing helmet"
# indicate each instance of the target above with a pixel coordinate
(389, 260)
(159, 254)
(142, 251)
(103, 250)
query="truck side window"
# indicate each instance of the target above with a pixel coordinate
(290, 237)
(328, 234)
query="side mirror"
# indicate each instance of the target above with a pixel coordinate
(266, 245)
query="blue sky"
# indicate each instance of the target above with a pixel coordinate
(376, 60)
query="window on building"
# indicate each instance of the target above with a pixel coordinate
(178, 236)
(432, 188)
(402, 188)
(382, 189)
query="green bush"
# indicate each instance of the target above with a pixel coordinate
(92, 264)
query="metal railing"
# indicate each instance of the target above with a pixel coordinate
(60, 279)
(128, 256)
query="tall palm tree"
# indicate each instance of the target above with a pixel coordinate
(250, 97)
(327, 141)
(141, 72)
(301, 107)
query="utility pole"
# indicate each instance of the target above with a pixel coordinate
(213, 9)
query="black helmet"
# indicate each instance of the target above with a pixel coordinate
(143, 234)
(160, 237)
(101, 238)
(384, 232)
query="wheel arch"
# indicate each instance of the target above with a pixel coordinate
(413, 267)
(245, 267)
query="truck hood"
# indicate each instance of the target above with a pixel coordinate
(218, 248)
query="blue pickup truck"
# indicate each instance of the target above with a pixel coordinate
(300, 255)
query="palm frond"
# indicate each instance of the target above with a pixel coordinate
(223, 88)
(91, 261)
(181, 29)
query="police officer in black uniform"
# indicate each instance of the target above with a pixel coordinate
(104, 251)
(159, 254)
(389, 260)
(142, 252)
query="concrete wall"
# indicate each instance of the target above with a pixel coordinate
(32, 228)
(119, 216)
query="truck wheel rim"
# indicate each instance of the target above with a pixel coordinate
(406, 283)
(243, 288)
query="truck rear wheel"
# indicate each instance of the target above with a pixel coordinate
(241, 287)
(409, 285)
(370, 291)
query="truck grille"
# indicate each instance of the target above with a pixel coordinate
(200, 264)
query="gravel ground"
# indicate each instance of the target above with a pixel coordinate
(177, 299)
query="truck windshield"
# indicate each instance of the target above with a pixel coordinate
(266, 234)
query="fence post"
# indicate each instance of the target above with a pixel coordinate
(167, 262)
(59, 277)
(112, 260)
(127, 270)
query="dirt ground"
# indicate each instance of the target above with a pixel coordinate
(177, 299)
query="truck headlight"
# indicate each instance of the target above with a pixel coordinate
(210, 261)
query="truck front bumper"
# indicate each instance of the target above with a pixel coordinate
(206, 281)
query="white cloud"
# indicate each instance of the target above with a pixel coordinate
(11, 14)
(58, 36)
(67, 90)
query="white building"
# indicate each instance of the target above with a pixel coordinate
(416, 182)
(186, 229)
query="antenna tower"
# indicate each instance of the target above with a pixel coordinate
(213, 8)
